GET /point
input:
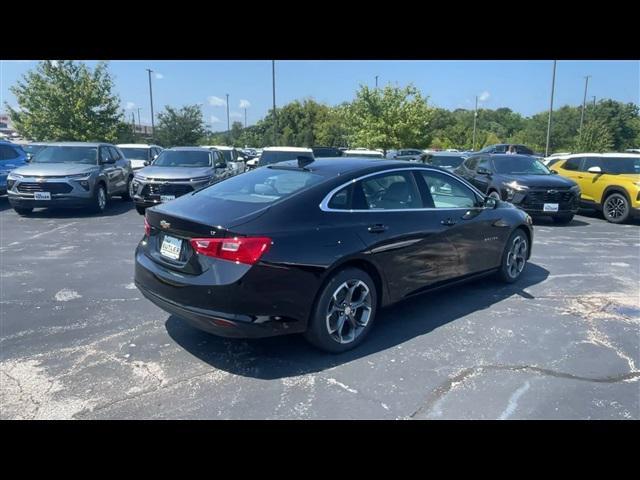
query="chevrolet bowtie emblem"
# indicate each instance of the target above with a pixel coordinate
(551, 192)
(164, 224)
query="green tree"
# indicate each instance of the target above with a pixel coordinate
(392, 117)
(236, 133)
(66, 100)
(595, 137)
(181, 127)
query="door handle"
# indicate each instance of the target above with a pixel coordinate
(448, 222)
(377, 228)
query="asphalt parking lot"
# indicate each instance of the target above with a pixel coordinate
(77, 339)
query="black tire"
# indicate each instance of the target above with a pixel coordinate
(507, 273)
(563, 219)
(22, 211)
(140, 210)
(127, 195)
(615, 208)
(352, 331)
(99, 203)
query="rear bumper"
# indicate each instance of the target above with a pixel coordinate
(227, 299)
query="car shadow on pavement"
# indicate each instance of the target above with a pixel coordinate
(291, 355)
(115, 207)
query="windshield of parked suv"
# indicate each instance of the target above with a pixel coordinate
(182, 158)
(446, 161)
(621, 165)
(268, 157)
(59, 154)
(135, 153)
(513, 165)
(32, 149)
(263, 185)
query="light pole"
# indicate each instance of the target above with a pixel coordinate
(594, 101)
(275, 118)
(151, 101)
(584, 100)
(553, 85)
(139, 123)
(376, 82)
(475, 118)
(245, 117)
(228, 124)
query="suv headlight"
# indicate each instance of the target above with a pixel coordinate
(14, 176)
(575, 189)
(515, 186)
(79, 176)
(208, 178)
(140, 178)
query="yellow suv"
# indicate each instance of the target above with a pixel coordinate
(609, 182)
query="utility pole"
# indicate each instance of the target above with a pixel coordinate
(275, 118)
(553, 85)
(245, 117)
(376, 82)
(584, 100)
(151, 100)
(139, 124)
(594, 101)
(228, 124)
(133, 122)
(475, 118)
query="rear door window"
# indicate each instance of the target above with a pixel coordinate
(590, 162)
(391, 191)
(572, 164)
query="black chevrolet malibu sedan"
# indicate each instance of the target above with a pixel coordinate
(525, 182)
(318, 246)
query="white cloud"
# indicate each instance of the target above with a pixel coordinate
(484, 96)
(159, 76)
(216, 101)
(244, 103)
(130, 106)
(54, 63)
(235, 115)
(214, 119)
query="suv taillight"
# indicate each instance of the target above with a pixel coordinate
(246, 250)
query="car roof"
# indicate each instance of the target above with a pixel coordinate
(330, 167)
(608, 155)
(447, 154)
(287, 149)
(219, 147)
(189, 149)
(506, 155)
(136, 145)
(79, 144)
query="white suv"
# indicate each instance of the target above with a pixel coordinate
(232, 157)
(140, 154)
(271, 155)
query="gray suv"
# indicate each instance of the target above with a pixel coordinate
(70, 174)
(176, 172)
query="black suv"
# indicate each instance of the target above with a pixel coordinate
(525, 182)
(325, 152)
(503, 147)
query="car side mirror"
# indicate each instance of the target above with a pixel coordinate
(147, 163)
(483, 171)
(220, 165)
(553, 172)
(108, 161)
(490, 202)
(240, 159)
(594, 169)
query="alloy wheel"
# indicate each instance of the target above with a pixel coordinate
(349, 311)
(615, 207)
(517, 256)
(102, 198)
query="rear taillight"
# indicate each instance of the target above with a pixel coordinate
(147, 227)
(238, 249)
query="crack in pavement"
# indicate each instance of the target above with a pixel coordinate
(442, 390)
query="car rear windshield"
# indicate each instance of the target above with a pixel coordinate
(59, 154)
(513, 165)
(262, 185)
(446, 161)
(621, 165)
(182, 158)
(32, 149)
(136, 153)
(269, 157)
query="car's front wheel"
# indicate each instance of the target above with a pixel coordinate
(514, 257)
(128, 193)
(99, 199)
(344, 312)
(616, 208)
(140, 210)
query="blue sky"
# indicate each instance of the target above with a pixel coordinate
(523, 86)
